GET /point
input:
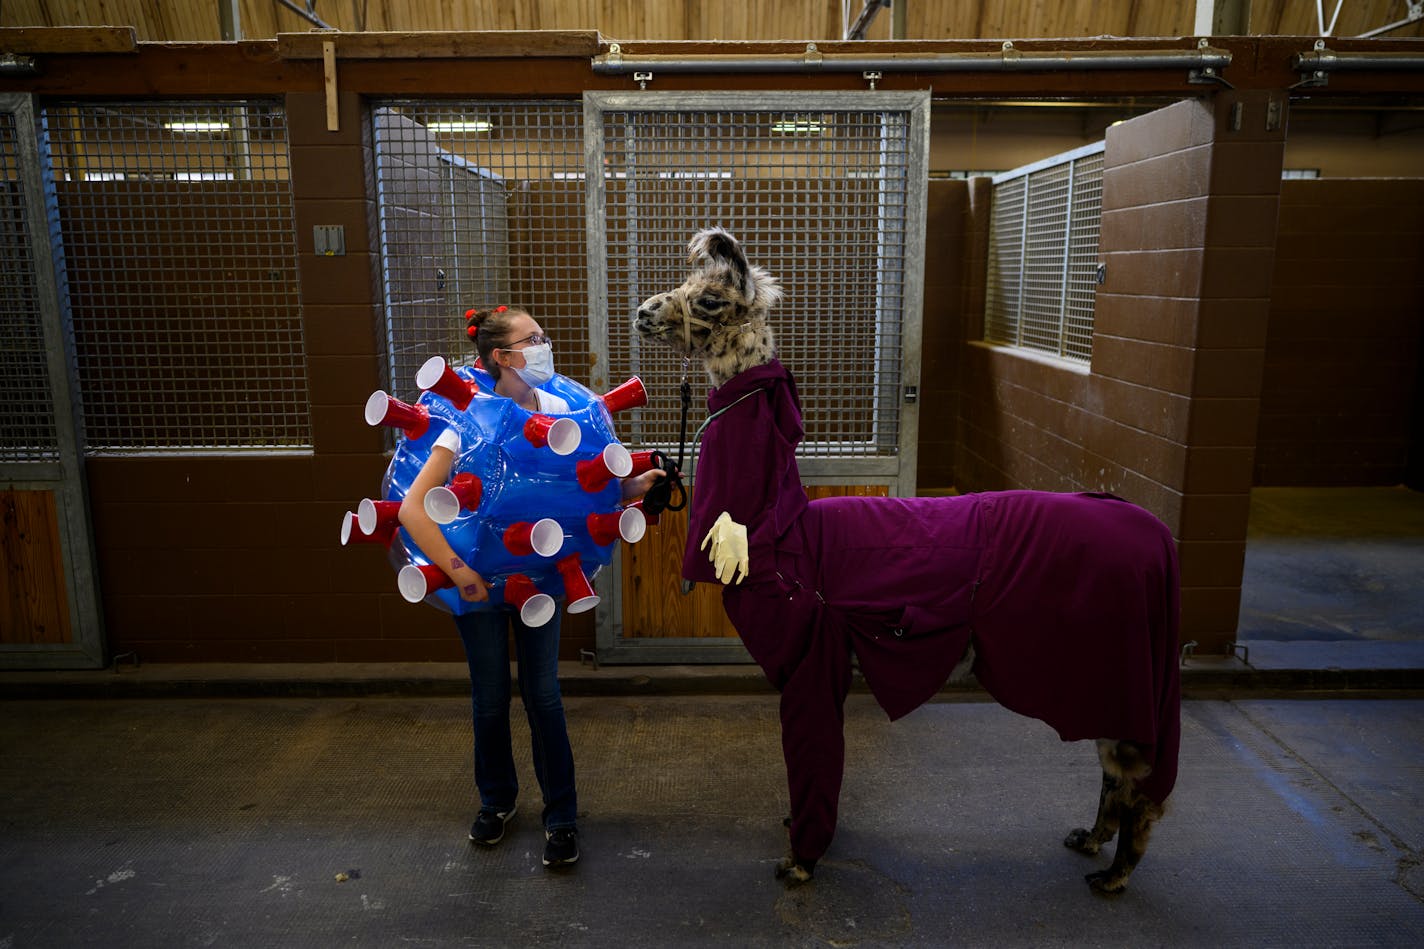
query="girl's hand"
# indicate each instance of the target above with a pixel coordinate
(471, 585)
(634, 488)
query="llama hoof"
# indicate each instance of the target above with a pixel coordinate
(1081, 840)
(1106, 882)
(792, 873)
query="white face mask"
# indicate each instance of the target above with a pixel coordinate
(538, 364)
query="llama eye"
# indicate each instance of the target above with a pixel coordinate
(711, 303)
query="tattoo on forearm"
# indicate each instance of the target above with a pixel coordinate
(472, 589)
(456, 563)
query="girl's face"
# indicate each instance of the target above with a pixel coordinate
(522, 328)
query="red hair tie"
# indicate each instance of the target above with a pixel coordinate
(472, 331)
(501, 308)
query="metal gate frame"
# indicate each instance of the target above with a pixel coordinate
(64, 477)
(896, 471)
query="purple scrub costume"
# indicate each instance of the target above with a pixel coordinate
(1071, 600)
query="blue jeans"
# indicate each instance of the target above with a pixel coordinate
(486, 638)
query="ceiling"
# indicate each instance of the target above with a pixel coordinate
(197, 20)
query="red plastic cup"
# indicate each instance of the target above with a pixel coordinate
(576, 586)
(595, 473)
(383, 409)
(628, 524)
(417, 581)
(435, 375)
(535, 608)
(351, 532)
(561, 434)
(628, 395)
(375, 517)
(445, 502)
(642, 461)
(544, 537)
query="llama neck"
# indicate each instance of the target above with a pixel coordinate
(738, 351)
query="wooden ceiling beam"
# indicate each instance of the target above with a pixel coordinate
(442, 45)
(478, 64)
(34, 40)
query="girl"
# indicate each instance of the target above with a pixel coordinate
(514, 349)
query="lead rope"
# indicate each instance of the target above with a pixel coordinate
(660, 496)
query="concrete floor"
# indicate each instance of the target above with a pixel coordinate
(1334, 578)
(224, 822)
(216, 805)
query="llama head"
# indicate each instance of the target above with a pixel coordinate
(719, 313)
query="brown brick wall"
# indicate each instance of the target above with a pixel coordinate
(1343, 343)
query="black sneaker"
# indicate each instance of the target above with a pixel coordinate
(561, 848)
(488, 828)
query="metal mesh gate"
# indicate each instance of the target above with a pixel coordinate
(51, 617)
(27, 423)
(480, 203)
(826, 192)
(1043, 254)
(182, 263)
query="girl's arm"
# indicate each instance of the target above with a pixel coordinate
(634, 488)
(427, 534)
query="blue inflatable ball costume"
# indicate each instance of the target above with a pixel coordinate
(533, 503)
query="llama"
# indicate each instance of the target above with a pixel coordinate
(1069, 601)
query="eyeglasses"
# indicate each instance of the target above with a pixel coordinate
(534, 339)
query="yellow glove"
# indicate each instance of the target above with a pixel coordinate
(729, 549)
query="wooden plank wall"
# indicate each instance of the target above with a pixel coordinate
(156, 20)
(33, 600)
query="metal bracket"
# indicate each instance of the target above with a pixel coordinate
(1188, 648)
(615, 56)
(1313, 78)
(14, 64)
(1243, 649)
(587, 656)
(1207, 74)
(812, 56)
(132, 657)
(872, 78)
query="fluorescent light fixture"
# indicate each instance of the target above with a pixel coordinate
(797, 127)
(188, 126)
(461, 126)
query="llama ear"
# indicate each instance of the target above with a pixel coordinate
(714, 245)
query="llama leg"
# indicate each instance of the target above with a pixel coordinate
(1105, 825)
(1136, 829)
(1122, 808)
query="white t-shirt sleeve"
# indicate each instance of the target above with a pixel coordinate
(551, 404)
(449, 440)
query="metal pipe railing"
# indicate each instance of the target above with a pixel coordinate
(1323, 60)
(1005, 59)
